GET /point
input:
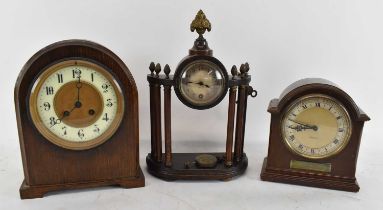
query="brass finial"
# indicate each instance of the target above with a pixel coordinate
(200, 23)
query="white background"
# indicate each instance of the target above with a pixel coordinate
(283, 41)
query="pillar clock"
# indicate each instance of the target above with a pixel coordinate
(200, 82)
(77, 116)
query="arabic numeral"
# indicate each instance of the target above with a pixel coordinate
(105, 88)
(80, 133)
(76, 73)
(47, 106)
(52, 121)
(64, 130)
(96, 129)
(106, 117)
(109, 102)
(60, 78)
(49, 90)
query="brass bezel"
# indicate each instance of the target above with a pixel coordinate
(56, 139)
(298, 100)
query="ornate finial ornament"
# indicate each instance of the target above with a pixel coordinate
(200, 23)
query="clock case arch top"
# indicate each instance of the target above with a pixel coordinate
(48, 167)
(341, 176)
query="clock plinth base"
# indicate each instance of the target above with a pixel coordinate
(308, 179)
(185, 168)
(38, 191)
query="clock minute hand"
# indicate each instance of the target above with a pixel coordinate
(306, 125)
(301, 128)
(78, 86)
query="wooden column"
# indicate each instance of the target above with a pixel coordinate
(158, 133)
(155, 120)
(168, 137)
(230, 126)
(240, 123)
(152, 121)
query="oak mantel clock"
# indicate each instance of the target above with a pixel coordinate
(315, 134)
(200, 82)
(77, 116)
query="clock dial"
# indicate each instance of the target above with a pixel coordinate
(76, 104)
(202, 83)
(316, 126)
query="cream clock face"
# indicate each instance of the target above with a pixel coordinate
(316, 126)
(76, 104)
(202, 83)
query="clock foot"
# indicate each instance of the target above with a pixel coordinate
(308, 179)
(38, 191)
(192, 171)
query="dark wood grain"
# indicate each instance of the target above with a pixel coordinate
(240, 123)
(343, 165)
(168, 127)
(178, 171)
(174, 166)
(48, 167)
(230, 126)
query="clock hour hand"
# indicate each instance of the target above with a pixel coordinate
(303, 125)
(66, 113)
(200, 83)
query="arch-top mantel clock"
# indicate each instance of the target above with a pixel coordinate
(76, 105)
(200, 82)
(315, 134)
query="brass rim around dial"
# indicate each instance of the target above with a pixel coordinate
(76, 104)
(316, 126)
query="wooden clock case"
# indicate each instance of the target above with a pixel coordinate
(48, 167)
(276, 166)
(185, 166)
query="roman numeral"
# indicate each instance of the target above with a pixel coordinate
(336, 141)
(340, 130)
(339, 117)
(317, 104)
(304, 106)
(91, 76)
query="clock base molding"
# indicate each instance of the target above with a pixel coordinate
(184, 168)
(308, 179)
(38, 191)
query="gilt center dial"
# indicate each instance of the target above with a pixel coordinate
(316, 126)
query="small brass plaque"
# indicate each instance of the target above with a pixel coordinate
(322, 167)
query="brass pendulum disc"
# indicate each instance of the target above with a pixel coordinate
(206, 161)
